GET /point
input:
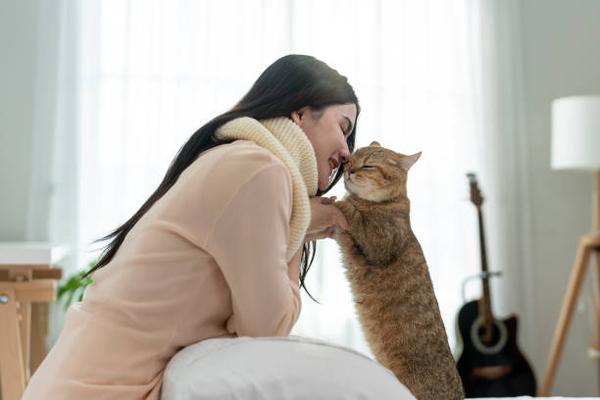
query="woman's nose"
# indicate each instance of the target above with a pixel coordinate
(345, 154)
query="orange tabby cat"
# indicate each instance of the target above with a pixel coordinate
(389, 278)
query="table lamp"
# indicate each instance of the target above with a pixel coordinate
(576, 146)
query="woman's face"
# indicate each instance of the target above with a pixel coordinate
(327, 129)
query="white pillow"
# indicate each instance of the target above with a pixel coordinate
(282, 368)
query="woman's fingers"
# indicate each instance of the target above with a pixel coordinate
(328, 200)
(325, 215)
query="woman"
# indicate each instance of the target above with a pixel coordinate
(216, 250)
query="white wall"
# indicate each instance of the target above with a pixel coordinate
(561, 44)
(18, 36)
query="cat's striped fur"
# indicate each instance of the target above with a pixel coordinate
(389, 277)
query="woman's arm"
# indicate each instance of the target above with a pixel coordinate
(294, 267)
(249, 243)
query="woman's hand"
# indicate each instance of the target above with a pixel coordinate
(325, 217)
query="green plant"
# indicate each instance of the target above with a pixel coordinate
(74, 287)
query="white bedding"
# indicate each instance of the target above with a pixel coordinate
(281, 368)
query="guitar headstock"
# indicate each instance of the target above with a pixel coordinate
(476, 197)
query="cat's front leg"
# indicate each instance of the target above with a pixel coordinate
(344, 238)
(349, 247)
(347, 209)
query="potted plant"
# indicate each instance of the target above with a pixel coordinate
(74, 287)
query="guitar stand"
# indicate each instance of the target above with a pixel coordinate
(587, 245)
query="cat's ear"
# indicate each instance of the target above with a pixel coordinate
(375, 144)
(407, 161)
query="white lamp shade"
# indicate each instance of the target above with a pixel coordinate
(576, 133)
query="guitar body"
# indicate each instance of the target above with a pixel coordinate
(491, 364)
(496, 368)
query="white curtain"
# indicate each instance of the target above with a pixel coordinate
(496, 35)
(52, 209)
(152, 72)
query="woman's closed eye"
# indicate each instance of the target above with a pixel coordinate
(344, 132)
(346, 127)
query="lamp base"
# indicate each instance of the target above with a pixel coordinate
(588, 245)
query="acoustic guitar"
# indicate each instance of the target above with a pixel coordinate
(490, 364)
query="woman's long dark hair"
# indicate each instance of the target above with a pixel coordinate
(290, 83)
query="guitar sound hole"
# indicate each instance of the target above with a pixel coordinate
(486, 338)
(491, 344)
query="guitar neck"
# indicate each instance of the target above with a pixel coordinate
(486, 301)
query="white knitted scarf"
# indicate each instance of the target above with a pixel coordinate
(288, 142)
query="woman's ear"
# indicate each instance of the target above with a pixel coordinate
(297, 116)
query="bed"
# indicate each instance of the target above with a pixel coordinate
(282, 368)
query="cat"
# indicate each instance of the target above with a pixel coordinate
(389, 278)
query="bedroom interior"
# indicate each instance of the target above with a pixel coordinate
(508, 91)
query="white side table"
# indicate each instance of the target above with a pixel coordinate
(27, 275)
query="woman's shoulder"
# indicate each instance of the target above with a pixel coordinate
(239, 153)
(235, 163)
(223, 182)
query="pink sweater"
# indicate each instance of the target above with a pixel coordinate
(207, 260)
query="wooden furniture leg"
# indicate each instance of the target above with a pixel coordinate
(25, 325)
(27, 285)
(11, 359)
(13, 375)
(587, 244)
(39, 333)
(596, 347)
